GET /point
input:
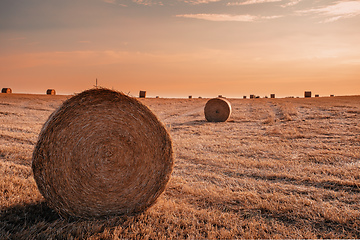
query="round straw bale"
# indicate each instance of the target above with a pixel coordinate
(217, 110)
(102, 153)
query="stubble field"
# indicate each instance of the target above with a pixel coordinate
(278, 168)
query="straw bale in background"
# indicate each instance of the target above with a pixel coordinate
(217, 110)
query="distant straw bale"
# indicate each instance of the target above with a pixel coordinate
(51, 92)
(142, 94)
(217, 110)
(6, 90)
(102, 153)
(307, 94)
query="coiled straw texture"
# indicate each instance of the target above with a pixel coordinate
(102, 153)
(217, 110)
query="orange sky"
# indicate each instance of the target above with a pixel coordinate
(178, 48)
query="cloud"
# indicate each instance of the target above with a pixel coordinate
(115, 3)
(140, 2)
(109, 1)
(194, 2)
(157, 2)
(344, 9)
(220, 17)
(291, 3)
(227, 17)
(249, 2)
(147, 2)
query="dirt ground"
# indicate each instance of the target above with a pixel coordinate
(278, 168)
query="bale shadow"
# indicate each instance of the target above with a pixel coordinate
(18, 217)
(191, 123)
(39, 221)
(202, 122)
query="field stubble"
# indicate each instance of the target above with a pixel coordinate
(278, 168)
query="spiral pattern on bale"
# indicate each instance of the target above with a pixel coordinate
(102, 153)
(217, 110)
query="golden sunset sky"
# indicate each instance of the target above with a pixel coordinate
(177, 48)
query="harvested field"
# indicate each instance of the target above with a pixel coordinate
(278, 168)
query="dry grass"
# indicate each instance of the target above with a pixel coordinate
(278, 168)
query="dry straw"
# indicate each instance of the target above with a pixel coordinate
(102, 153)
(217, 110)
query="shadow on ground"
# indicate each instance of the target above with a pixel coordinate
(24, 216)
(38, 221)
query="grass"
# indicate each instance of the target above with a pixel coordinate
(278, 168)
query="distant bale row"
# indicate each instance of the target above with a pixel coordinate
(252, 96)
(48, 92)
(102, 153)
(142, 94)
(307, 94)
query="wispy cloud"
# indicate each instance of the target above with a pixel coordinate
(194, 2)
(109, 1)
(140, 2)
(249, 2)
(157, 2)
(114, 2)
(227, 17)
(291, 3)
(343, 9)
(220, 17)
(148, 2)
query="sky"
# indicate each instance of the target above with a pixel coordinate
(178, 48)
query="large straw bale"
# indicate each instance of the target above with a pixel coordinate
(102, 153)
(217, 110)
